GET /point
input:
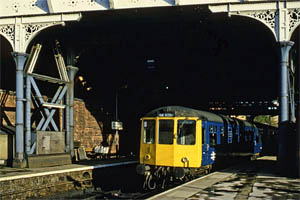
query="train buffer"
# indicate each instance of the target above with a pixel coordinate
(255, 180)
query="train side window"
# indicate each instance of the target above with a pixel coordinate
(186, 132)
(149, 131)
(230, 135)
(251, 133)
(223, 138)
(257, 139)
(203, 135)
(166, 131)
(215, 129)
(246, 136)
(212, 139)
(211, 130)
(235, 137)
(242, 137)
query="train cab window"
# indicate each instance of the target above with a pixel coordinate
(166, 131)
(149, 131)
(186, 132)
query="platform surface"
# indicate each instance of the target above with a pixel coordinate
(8, 173)
(252, 180)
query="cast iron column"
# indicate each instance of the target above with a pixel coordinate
(297, 164)
(70, 103)
(285, 47)
(20, 59)
(28, 115)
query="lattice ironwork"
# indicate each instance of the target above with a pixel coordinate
(8, 31)
(267, 17)
(294, 18)
(31, 29)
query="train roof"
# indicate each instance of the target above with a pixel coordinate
(246, 123)
(179, 111)
(239, 121)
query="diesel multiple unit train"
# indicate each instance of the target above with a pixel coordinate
(178, 142)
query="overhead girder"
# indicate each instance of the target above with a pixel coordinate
(44, 7)
(20, 31)
(282, 18)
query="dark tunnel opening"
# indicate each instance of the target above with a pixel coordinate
(162, 56)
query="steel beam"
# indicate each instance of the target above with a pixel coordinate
(56, 99)
(40, 98)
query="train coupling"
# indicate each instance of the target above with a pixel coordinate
(143, 169)
(180, 172)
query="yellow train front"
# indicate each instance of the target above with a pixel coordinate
(173, 144)
(178, 143)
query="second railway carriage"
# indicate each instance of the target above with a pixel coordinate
(177, 142)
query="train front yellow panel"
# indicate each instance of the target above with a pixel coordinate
(187, 153)
(147, 154)
(174, 142)
(164, 155)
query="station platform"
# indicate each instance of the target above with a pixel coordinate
(251, 180)
(34, 183)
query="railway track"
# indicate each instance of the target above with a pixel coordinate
(117, 194)
(127, 185)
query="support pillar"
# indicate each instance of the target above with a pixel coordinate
(297, 160)
(28, 116)
(70, 111)
(285, 47)
(20, 59)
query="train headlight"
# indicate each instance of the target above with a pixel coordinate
(184, 160)
(147, 157)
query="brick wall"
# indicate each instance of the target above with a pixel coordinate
(88, 131)
(7, 107)
(90, 126)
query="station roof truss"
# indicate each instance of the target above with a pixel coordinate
(21, 21)
(47, 109)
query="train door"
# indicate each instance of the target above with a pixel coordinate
(186, 143)
(147, 142)
(208, 151)
(165, 142)
(257, 141)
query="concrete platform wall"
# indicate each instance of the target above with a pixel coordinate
(44, 184)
